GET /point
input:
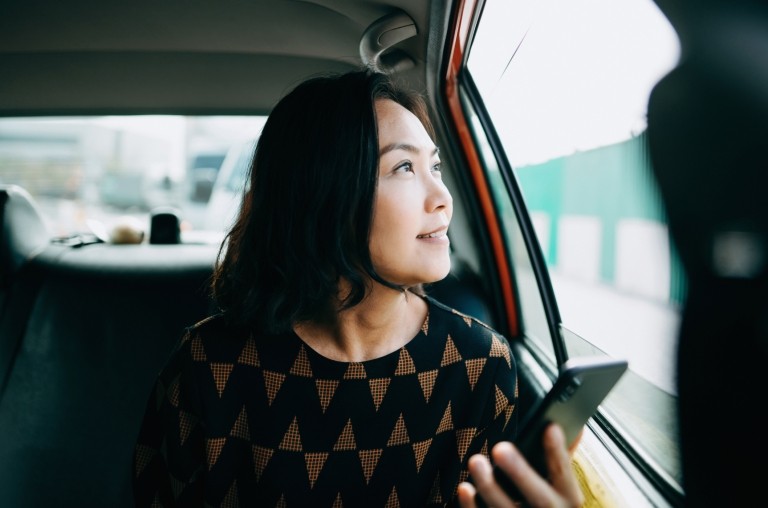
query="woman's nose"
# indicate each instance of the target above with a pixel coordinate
(438, 196)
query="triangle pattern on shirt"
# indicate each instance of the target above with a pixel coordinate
(198, 353)
(281, 502)
(405, 364)
(177, 486)
(142, 456)
(378, 389)
(420, 450)
(261, 458)
(173, 391)
(231, 498)
(301, 365)
(467, 319)
(240, 428)
(249, 355)
(499, 350)
(474, 369)
(289, 368)
(213, 450)
(185, 337)
(427, 382)
(393, 501)
(463, 476)
(368, 460)
(346, 440)
(186, 422)
(434, 491)
(221, 372)
(508, 414)
(325, 390)
(272, 383)
(355, 370)
(292, 438)
(463, 440)
(501, 402)
(446, 423)
(315, 462)
(399, 434)
(450, 354)
(337, 503)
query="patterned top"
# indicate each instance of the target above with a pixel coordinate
(240, 419)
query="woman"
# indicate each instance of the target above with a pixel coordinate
(328, 379)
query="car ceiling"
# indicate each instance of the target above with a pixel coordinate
(190, 57)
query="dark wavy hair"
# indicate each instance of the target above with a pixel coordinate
(305, 219)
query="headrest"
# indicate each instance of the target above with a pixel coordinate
(22, 231)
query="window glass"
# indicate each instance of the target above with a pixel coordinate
(230, 185)
(88, 174)
(529, 302)
(566, 84)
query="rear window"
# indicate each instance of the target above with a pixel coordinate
(88, 174)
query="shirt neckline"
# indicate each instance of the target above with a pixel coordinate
(394, 355)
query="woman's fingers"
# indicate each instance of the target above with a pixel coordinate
(561, 489)
(535, 489)
(561, 473)
(492, 494)
(467, 495)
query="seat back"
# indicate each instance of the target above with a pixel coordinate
(22, 233)
(97, 325)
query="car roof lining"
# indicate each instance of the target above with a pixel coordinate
(89, 57)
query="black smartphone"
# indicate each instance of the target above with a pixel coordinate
(580, 387)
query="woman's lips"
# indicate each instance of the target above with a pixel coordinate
(437, 236)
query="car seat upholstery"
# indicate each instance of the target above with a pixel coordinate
(82, 349)
(23, 231)
(22, 235)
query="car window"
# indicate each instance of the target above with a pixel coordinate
(231, 184)
(88, 174)
(566, 87)
(530, 297)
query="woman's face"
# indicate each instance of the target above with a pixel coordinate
(412, 207)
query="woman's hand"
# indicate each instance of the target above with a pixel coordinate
(561, 490)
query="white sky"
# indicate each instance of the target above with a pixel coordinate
(581, 78)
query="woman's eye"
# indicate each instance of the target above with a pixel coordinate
(437, 168)
(404, 167)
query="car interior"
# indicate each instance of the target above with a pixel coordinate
(87, 322)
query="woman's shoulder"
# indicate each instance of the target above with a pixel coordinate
(455, 317)
(466, 332)
(213, 339)
(211, 325)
